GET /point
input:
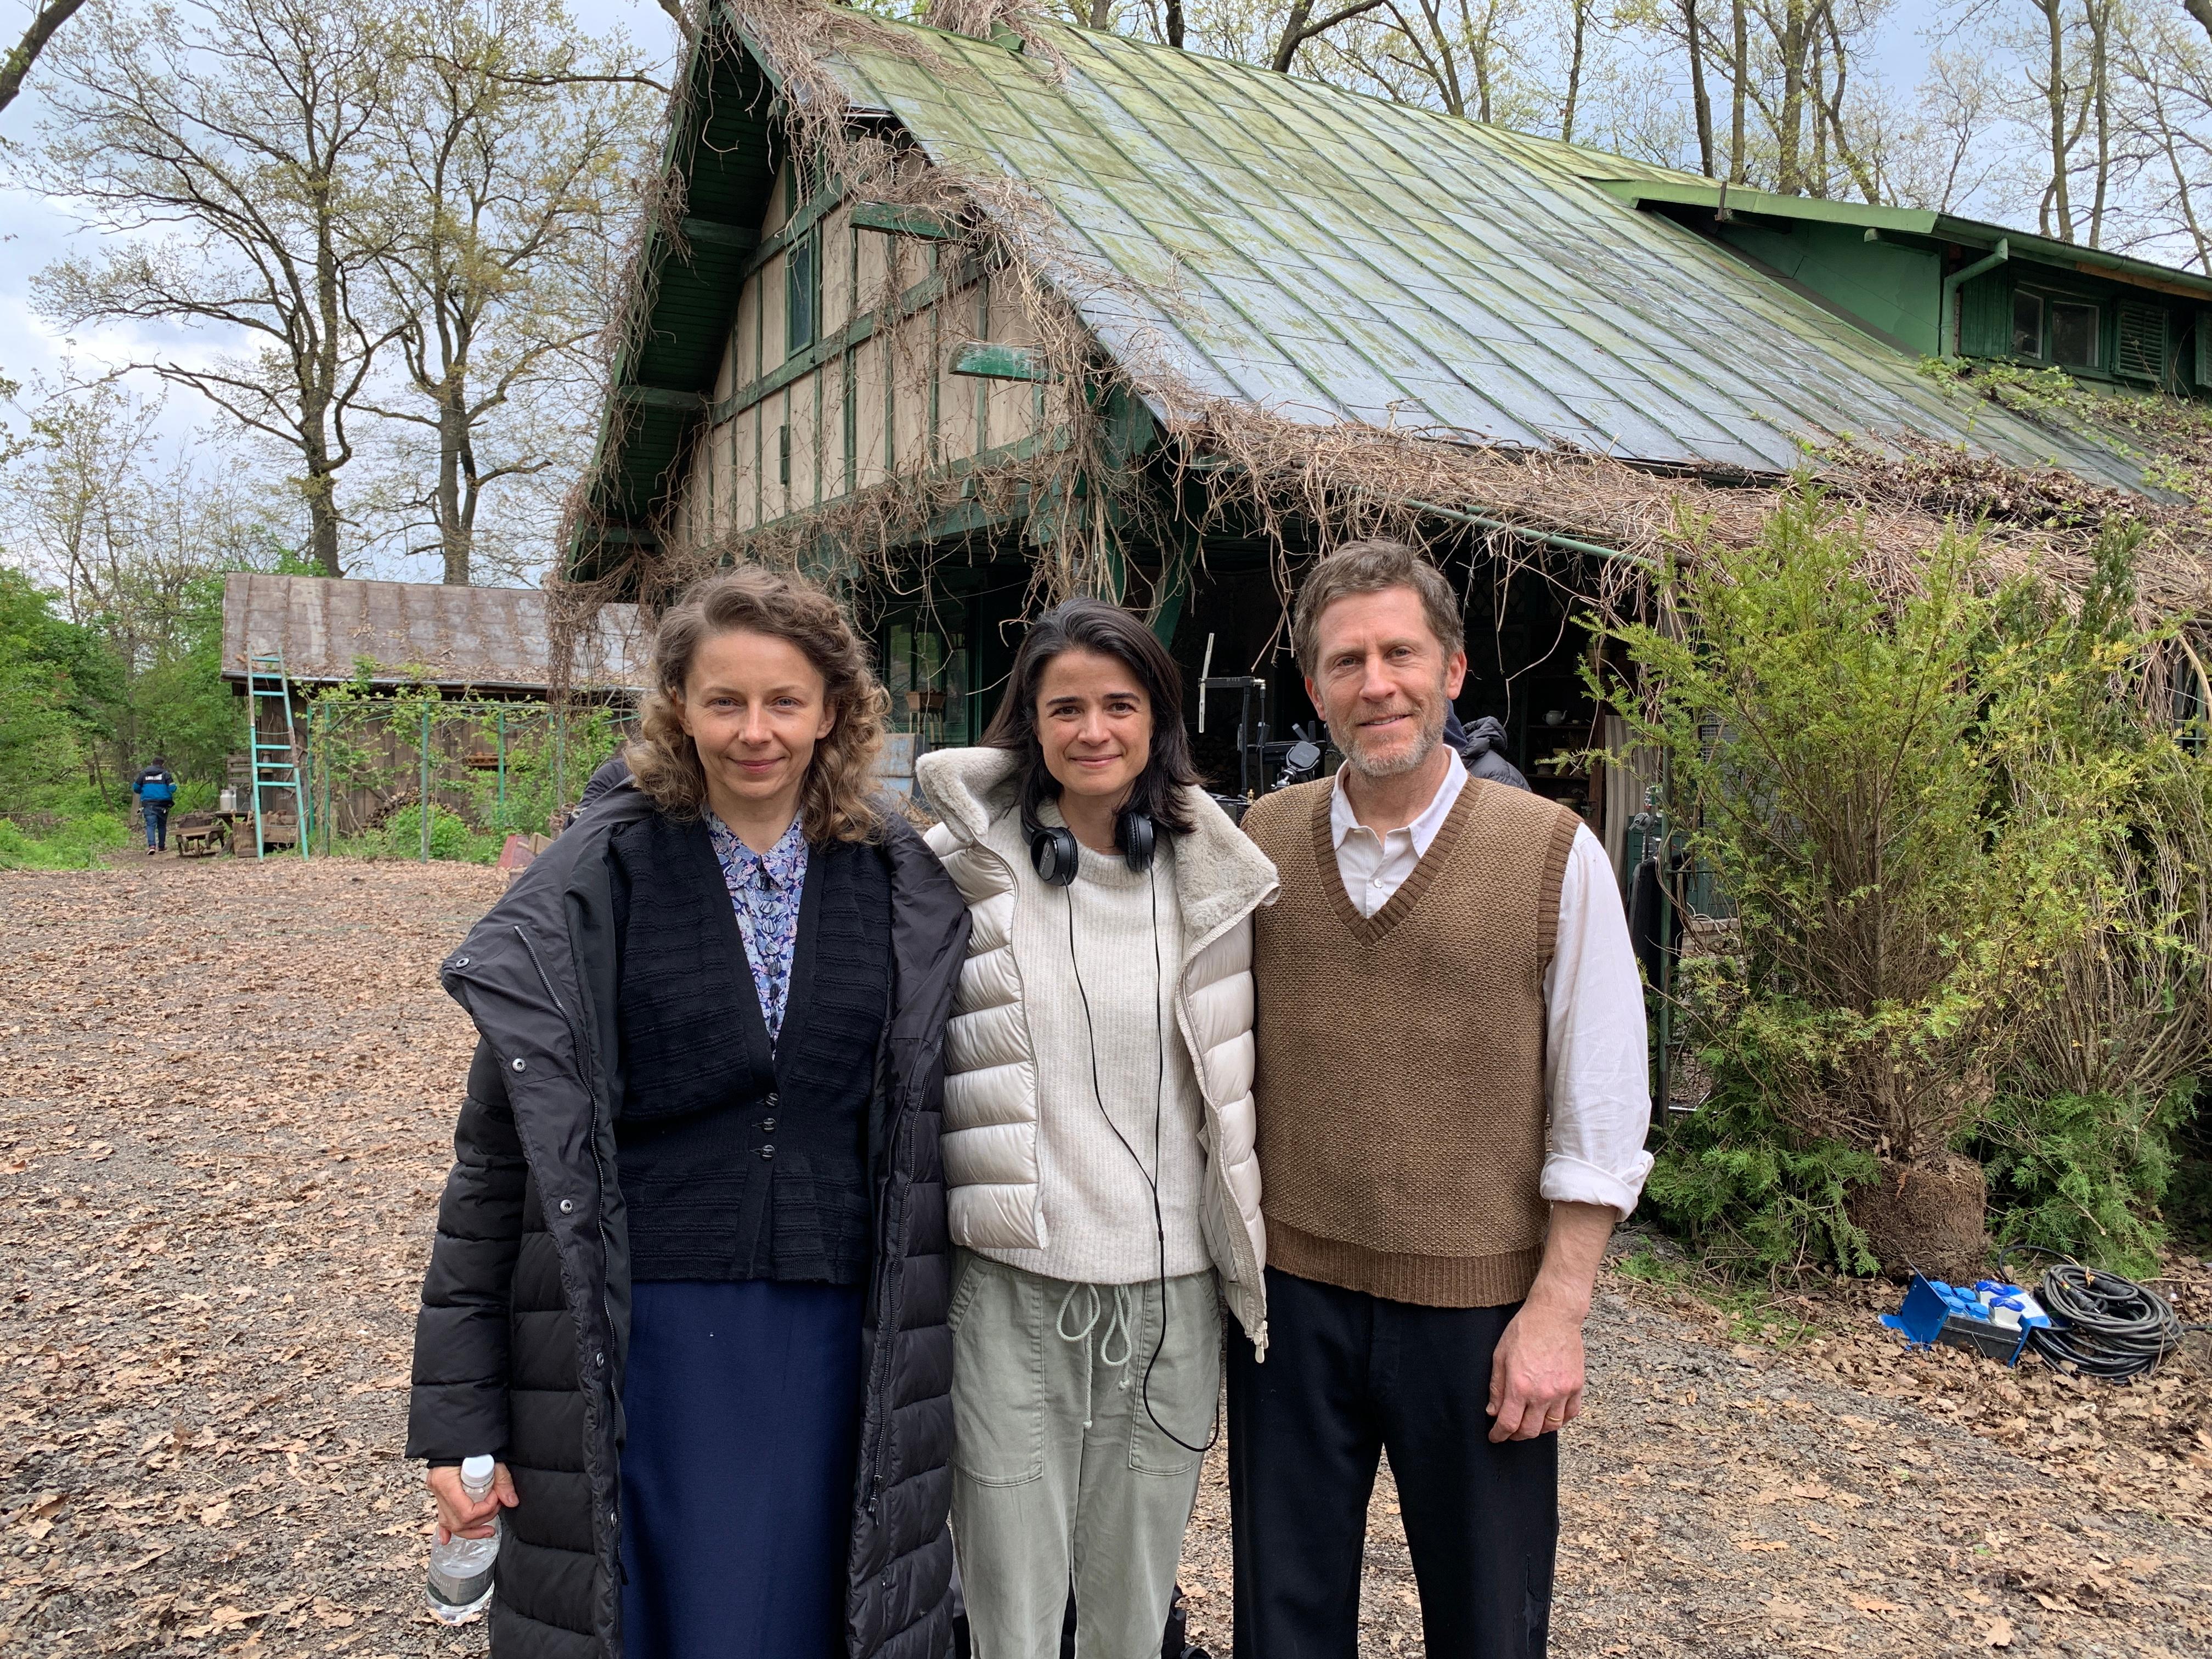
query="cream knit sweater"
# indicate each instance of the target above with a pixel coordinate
(1097, 1206)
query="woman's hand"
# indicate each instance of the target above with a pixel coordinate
(460, 1515)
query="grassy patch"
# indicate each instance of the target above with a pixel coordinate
(1751, 1312)
(75, 843)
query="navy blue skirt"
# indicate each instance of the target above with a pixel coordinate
(742, 1407)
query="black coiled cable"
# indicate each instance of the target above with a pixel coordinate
(2103, 1325)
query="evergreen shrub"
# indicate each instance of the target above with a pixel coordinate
(1968, 857)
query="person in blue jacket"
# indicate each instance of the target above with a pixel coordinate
(156, 789)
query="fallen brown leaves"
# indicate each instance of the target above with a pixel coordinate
(225, 1109)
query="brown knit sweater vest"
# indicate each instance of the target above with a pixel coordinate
(1400, 1087)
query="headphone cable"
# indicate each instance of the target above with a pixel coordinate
(1151, 1176)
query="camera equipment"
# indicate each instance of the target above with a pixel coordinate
(1300, 758)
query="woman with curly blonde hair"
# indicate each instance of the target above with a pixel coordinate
(690, 1279)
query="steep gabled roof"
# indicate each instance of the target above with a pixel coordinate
(1230, 233)
(1334, 256)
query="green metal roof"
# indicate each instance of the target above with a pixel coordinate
(1332, 256)
(1686, 190)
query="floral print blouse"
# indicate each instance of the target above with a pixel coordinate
(765, 890)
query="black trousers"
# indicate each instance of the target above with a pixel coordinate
(1347, 1376)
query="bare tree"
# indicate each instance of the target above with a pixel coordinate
(1829, 119)
(1791, 27)
(2097, 20)
(506, 184)
(1449, 48)
(45, 23)
(2062, 131)
(1740, 83)
(239, 138)
(2166, 77)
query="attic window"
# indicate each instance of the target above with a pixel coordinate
(2141, 343)
(2073, 334)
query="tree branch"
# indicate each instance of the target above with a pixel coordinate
(1299, 29)
(17, 63)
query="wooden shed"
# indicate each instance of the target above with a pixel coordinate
(478, 665)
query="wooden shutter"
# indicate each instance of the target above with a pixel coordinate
(1985, 317)
(2140, 351)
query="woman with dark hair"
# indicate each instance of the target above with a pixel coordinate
(691, 1277)
(1103, 1191)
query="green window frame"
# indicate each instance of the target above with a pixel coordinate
(802, 289)
(2074, 332)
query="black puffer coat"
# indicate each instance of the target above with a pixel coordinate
(525, 1324)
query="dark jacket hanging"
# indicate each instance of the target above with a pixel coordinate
(1482, 747)
(525, 1307)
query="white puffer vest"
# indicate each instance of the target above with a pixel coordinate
(994, 1191)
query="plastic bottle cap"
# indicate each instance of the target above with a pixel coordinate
(477, 1471)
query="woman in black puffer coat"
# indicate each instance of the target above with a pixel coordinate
(652, 1186)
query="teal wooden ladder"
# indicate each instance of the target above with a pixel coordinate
(275, 763)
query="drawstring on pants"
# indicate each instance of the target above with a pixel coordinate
(1121, 1323)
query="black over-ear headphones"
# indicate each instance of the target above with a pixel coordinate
(1055, 855)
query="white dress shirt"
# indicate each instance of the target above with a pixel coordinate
(1595, 1066)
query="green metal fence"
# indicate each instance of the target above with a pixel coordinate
(443, 777)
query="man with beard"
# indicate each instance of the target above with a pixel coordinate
(1452, 1103)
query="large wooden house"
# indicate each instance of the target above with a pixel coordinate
(1013, 353)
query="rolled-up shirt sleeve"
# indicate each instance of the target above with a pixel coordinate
(1596, 1065)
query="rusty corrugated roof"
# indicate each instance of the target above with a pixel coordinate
(1331, 257)
(492, 639)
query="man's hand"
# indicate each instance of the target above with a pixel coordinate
(460, 1515)
(1536, 1373)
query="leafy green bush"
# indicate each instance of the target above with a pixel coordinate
(452, 836)
(182, 707)
(2085, 1174)
(1751, 1192)
(54, 677)
(1970, 861)
(1825, 752)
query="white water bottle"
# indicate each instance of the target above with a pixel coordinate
(460, 1568)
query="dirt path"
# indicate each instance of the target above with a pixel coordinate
(226, 1099)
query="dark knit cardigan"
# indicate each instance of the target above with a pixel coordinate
(738, 1161)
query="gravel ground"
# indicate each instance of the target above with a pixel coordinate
(225, 1095)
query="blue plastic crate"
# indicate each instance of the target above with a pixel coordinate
(1936, 1312)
